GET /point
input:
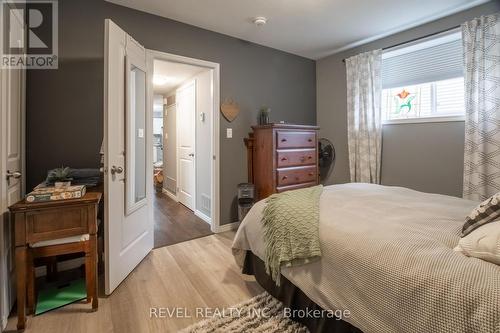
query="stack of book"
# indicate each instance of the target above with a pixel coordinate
(51, 193)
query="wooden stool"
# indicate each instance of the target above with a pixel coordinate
(52, 248)
(44, 229)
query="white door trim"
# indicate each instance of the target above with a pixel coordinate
(215, 135)
(202, 216)
(8, 281)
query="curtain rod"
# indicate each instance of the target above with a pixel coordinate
(417, 38)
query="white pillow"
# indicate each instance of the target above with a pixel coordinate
(482, 243)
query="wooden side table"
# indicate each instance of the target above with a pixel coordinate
(53, 220)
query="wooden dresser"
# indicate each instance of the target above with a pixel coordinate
(282, 157)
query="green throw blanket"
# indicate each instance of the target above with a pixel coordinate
(291, 229)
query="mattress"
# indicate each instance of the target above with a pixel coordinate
(388, 261)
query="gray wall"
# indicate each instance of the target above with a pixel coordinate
(427, 156)
(65, 106)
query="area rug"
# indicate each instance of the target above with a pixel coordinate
(263, 313)
(60, 294)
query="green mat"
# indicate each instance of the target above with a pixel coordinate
(58, 295)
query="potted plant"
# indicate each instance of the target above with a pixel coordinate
(60, 177)
(264, 115)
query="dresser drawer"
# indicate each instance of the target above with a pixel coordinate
(295, 139)
(296, 175)
(295, 187)
(295, 157)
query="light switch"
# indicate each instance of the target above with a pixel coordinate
(140, 132)
(229, 133)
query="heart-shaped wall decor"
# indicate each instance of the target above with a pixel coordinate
(230, 110)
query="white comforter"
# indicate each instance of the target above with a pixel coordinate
(388, 258)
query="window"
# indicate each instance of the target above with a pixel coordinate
(435, 99)
(423, 80)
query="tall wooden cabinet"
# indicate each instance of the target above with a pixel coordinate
(282, 157)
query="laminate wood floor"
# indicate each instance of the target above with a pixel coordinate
(195, 274)
(174, 223)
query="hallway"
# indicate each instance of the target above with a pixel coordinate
(175, 223)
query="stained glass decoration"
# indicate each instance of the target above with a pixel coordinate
(403, 94)
(404, 101)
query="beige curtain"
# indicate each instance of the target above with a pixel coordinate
(364, 123)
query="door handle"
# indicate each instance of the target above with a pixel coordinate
(115, 169)
(15, 175)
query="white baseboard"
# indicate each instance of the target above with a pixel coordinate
(226, 227)
(203, 216)
(170, 194)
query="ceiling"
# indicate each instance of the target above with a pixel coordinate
(310, 28)
(173, 74)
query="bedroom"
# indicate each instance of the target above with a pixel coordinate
(293, 65)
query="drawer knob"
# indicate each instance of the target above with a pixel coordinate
(311, 173)
(284, 158)
(283, 140)
(310, 140)
(284, 178)
(310, 157)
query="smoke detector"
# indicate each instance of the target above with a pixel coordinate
(259, 21)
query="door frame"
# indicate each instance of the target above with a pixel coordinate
(214, 131)
(8, 297)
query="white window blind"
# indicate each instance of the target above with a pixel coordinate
(432, 59)
(450, 96)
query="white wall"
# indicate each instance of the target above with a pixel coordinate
(157, 104)
(157, 114)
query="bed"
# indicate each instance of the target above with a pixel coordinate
(388, 259)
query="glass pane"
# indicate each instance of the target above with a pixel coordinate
(441, 98)
(137, 119)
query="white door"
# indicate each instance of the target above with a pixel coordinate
(186, 112)
(12, 95)
(128, 164)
